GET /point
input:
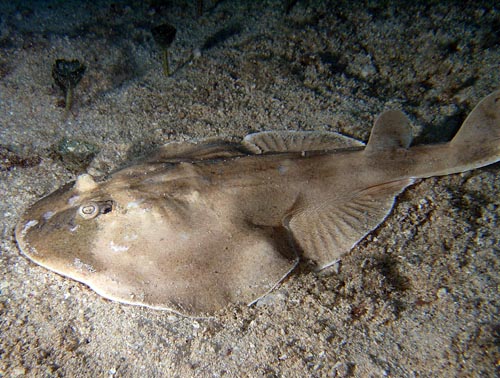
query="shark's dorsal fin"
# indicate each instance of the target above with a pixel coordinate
(297, 141)
(391, 130)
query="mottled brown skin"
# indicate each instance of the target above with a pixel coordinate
(198, 226)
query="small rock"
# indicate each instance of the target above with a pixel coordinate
(342, 369)
(76, 154)
(442, 293)
(271, 299)
(18, 372)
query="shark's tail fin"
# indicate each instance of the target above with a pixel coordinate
(479, 137)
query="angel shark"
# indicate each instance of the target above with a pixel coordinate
(200, 225)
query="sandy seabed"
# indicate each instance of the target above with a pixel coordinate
(418, 297)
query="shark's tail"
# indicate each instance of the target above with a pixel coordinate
(478, 141)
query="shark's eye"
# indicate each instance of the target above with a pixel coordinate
(105, 207)
(92, 209)
(89, 210)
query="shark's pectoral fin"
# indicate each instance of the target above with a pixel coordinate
(194, 270)
(328, 229)
(261, 259)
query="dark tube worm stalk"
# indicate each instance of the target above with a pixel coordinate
(67, 74)
(164, 35)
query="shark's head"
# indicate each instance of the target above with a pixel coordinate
(58, 232)
(106, 237)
